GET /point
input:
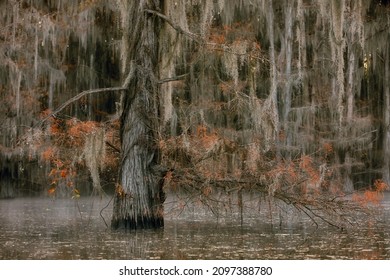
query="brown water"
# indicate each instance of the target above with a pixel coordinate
(41, 228)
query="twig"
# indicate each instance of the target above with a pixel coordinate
(172, 79)
(86, 92)
(101, 211)
(77, 97)
(113, 147)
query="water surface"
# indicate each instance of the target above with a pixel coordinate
(42, 228)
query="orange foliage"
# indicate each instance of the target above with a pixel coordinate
(61, 174)
(366, 198)
(58, 163)
(217, 38)
(380, 186)
(51, 191)
(206, 140)
(78, 129)
(227, 28)
(306, 164)
(225, 87)
(203, 139)
(292, 174)
(302, 175)
(201, 131)
(53, 172)
(64, 173)
(48, 154)
(55, 128)
(168, 176)
(328, 148)
(372, 195)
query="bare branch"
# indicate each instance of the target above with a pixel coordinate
(172, 79)
(86, 92)
(319, 208)
(113, 147)
(77, 97)
(197, 38)
(180, 30)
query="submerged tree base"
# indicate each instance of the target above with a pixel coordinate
(125, 217)
(137, 223)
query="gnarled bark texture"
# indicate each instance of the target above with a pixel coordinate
(139, 197)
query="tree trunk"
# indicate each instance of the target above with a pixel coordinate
(386, 134)
(139, 198)
(288, 84)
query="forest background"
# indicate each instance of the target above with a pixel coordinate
(288, 99)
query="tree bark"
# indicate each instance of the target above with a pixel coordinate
(288, 85)
(386, 134)
(139, 198)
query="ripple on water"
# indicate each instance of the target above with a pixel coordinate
(37, 228)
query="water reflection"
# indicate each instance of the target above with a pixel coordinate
(40, 228)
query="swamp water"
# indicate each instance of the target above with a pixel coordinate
(42, 228)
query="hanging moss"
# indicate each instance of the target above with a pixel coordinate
(291, 78)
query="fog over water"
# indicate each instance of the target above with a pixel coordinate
(42, 228)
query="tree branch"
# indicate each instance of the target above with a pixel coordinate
(197, 38)
(86, 92)
(113, 147)
(180, 30)
(319, 208)
(77, 97)
(172, 79)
